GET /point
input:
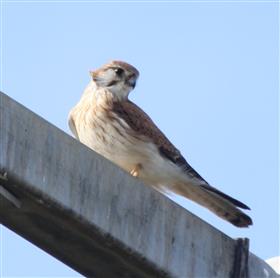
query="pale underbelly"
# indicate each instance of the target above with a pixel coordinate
(129, 152)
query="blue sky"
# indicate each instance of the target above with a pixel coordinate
(208, 78)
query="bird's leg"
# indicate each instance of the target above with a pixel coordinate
(135, 171)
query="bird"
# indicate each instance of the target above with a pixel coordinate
(109, 123)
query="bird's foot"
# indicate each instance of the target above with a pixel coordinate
(135, 171)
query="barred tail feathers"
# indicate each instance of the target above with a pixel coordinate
(218, 203)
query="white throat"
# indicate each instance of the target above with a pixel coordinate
(119, 91)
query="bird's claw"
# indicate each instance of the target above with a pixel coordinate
(135, 171)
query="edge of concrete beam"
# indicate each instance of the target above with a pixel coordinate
(91, 215)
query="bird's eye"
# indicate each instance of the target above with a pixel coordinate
(118, 71)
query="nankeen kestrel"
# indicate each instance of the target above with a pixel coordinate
(109, 123)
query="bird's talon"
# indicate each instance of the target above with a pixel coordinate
(135, 171)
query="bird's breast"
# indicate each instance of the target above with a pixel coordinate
(109, 135)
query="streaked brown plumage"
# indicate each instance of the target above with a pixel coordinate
(109, 123)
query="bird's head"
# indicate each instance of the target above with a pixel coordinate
(117, 77)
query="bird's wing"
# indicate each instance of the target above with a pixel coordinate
(143, 125)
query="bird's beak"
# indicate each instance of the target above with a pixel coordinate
(131, 81)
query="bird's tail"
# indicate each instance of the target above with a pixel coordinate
(216, 201)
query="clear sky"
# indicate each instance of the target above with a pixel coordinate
(209, 79)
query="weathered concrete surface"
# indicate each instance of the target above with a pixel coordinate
(88, 213)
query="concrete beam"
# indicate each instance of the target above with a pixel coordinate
(91, 215)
